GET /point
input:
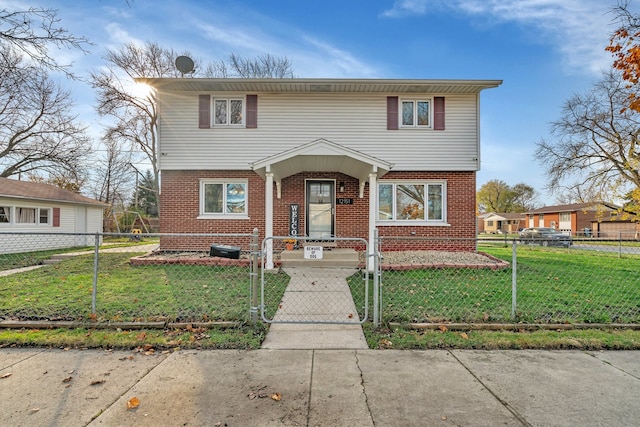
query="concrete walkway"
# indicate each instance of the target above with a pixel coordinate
(40, 387)
(316, 295)
(61, 256)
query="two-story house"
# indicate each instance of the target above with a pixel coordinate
(343, 156)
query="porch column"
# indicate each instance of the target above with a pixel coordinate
(268, 219)
(373, 214)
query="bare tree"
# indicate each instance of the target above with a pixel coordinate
(37, 129)
(596, 144)
(33, 32)
(135, 116)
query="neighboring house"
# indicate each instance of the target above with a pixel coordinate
(319, 157)
(480, 221)
(572, 219)
(503, 222)
(33, 207)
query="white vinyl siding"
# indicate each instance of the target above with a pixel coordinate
(287, 121)
(12, 243)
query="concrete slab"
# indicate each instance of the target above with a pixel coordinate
(338, 396)
(289, 336)
(65, 388)
(427, 388)
(219, 388)
(558, 387)
(319, 388)
(316, 295)
(626, 361)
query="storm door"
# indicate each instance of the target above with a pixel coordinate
(320, 209)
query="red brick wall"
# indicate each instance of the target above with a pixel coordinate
(180, 208)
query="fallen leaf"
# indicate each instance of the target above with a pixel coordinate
(485, 316)
(443, 328)
(464, 336)
(276, 396)
(133, 403)
(97, 382)
(350, 315)
(33, 410)
(67, 380)
(141, 336)
(386, 343)
(7, 375)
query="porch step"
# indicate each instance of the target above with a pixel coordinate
(331, 257)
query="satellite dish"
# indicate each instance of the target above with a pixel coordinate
(184, 64)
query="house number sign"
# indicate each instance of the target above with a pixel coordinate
(343, 201)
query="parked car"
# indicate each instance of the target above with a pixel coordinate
(545, 236)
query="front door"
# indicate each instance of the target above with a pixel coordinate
(320, 209)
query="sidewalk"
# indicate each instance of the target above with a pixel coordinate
(319, 388)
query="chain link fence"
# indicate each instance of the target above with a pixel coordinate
(589, 281)
(215, 277)
(127, 277)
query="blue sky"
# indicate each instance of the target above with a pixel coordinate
(544, 50)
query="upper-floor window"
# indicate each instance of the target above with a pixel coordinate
(565, 216)
(411, 201)
(223, 197)
(5, 214)
(228, 111)
(415, 113)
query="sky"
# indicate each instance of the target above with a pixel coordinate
(544, 51)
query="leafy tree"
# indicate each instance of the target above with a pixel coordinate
(145, 196)
(596, 142)
(624, 45)
(497, 196)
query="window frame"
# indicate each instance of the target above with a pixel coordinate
(394, 214)
(415, 102)
(228, 100)
(224, 214)
(7, 214)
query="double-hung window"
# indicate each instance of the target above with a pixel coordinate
(223, 198)
(415, 113)
(43, 216)
(228, 111)
(412, 201)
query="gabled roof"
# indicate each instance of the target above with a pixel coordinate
(29, 190)
(504, 216)
(320, 156)
(389, 86)
(574, 207)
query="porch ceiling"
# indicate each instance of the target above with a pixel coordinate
(321, 156)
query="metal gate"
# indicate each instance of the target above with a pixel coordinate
(319, 280)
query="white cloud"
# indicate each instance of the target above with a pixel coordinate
(406, 7)
(578, 28)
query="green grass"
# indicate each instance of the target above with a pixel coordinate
(244, 337)
(131, 293)
(553, 285)
(588, 339)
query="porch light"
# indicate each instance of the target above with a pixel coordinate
(341, 187)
